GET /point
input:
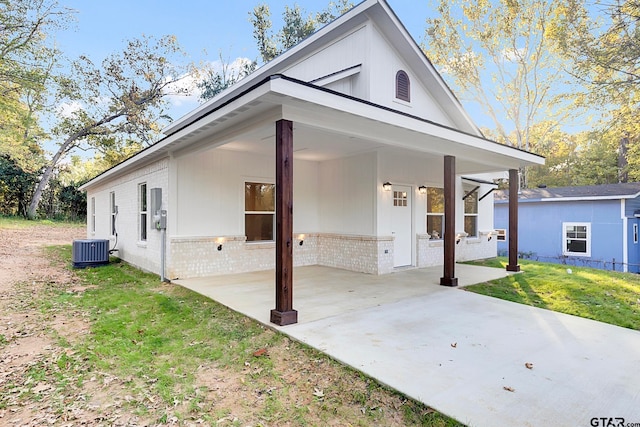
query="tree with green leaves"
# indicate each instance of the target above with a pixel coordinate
(27, 61)
(297, 26)
(605, 53)
(108, 106)
(498, 55)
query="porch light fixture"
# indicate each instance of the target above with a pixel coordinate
(220, 241)
(458, 238)
(489, 236)
(422, 189)
(386, 186)
(301, 239)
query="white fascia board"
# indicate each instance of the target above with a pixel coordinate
(582, 199)
(445, 95)
(156, 150)
(387, 116)
(274, 66)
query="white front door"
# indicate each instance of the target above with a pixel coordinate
(401, 225)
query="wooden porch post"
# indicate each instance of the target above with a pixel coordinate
(513, 220)
(284, 314)
(449, 278)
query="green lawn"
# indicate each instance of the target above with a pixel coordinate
(20, 222)
(199, 360)
(601, 295)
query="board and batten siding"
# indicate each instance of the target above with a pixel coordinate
(210, 192)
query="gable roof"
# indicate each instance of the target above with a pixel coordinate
(387, 21)
(629, 190)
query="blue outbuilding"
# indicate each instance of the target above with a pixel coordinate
(595, 226)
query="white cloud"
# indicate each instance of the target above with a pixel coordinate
(67, 109)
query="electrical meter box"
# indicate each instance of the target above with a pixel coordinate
(155, 196)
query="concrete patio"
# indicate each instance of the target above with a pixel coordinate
(461, 353)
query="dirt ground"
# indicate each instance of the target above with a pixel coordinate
(40, 387)
(26, 338)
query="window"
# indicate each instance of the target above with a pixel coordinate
(435, 212)
(403, 86)
(259, 211)
(400, 198)
(113, 209)
(577, 238)
(635, 233)
(471, 214)
(142, 204)
(93, 214)
(501, 234)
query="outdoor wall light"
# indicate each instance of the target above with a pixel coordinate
(301, 239)
(220, 241)
(489, 236)
(422, 189)
(458, 238)
(386, 186)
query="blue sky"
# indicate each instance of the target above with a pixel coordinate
(205, 29)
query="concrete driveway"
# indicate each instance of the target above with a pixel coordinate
(460, 353)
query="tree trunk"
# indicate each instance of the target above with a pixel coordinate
(37, 195)
(623, 172)
(46, 176)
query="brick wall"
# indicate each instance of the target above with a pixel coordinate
(199, 256)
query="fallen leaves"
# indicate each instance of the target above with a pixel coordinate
(528, 365)
(510, 389)
(260, 353)
(454, 345)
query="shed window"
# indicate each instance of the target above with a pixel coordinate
(435, 212)
(93, 214)
(259, 211)
(403, 86)
(576, 238)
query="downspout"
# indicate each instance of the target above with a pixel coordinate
(625, 236)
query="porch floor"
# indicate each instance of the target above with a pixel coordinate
(320, 292)
(460, 353)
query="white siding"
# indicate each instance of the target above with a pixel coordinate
(210, 192)
(385, 63)
(346, 52)
(146, 255)
(347, 195)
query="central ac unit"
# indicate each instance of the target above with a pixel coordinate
(90, 253)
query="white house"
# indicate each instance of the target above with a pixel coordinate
(348, 150)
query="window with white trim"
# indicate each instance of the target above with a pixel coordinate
(93, 214)
(576, 238)
(501, 234)
(471, 214)
(435, 212)
(142, 208)
(635, 233)
(113, 212)
(259, 211)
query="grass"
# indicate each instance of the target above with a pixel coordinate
(605, 296)
(158, 339)
(21, 222)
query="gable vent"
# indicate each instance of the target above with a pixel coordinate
(403, 86)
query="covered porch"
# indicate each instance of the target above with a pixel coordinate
(323, 292)
(352, 148)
